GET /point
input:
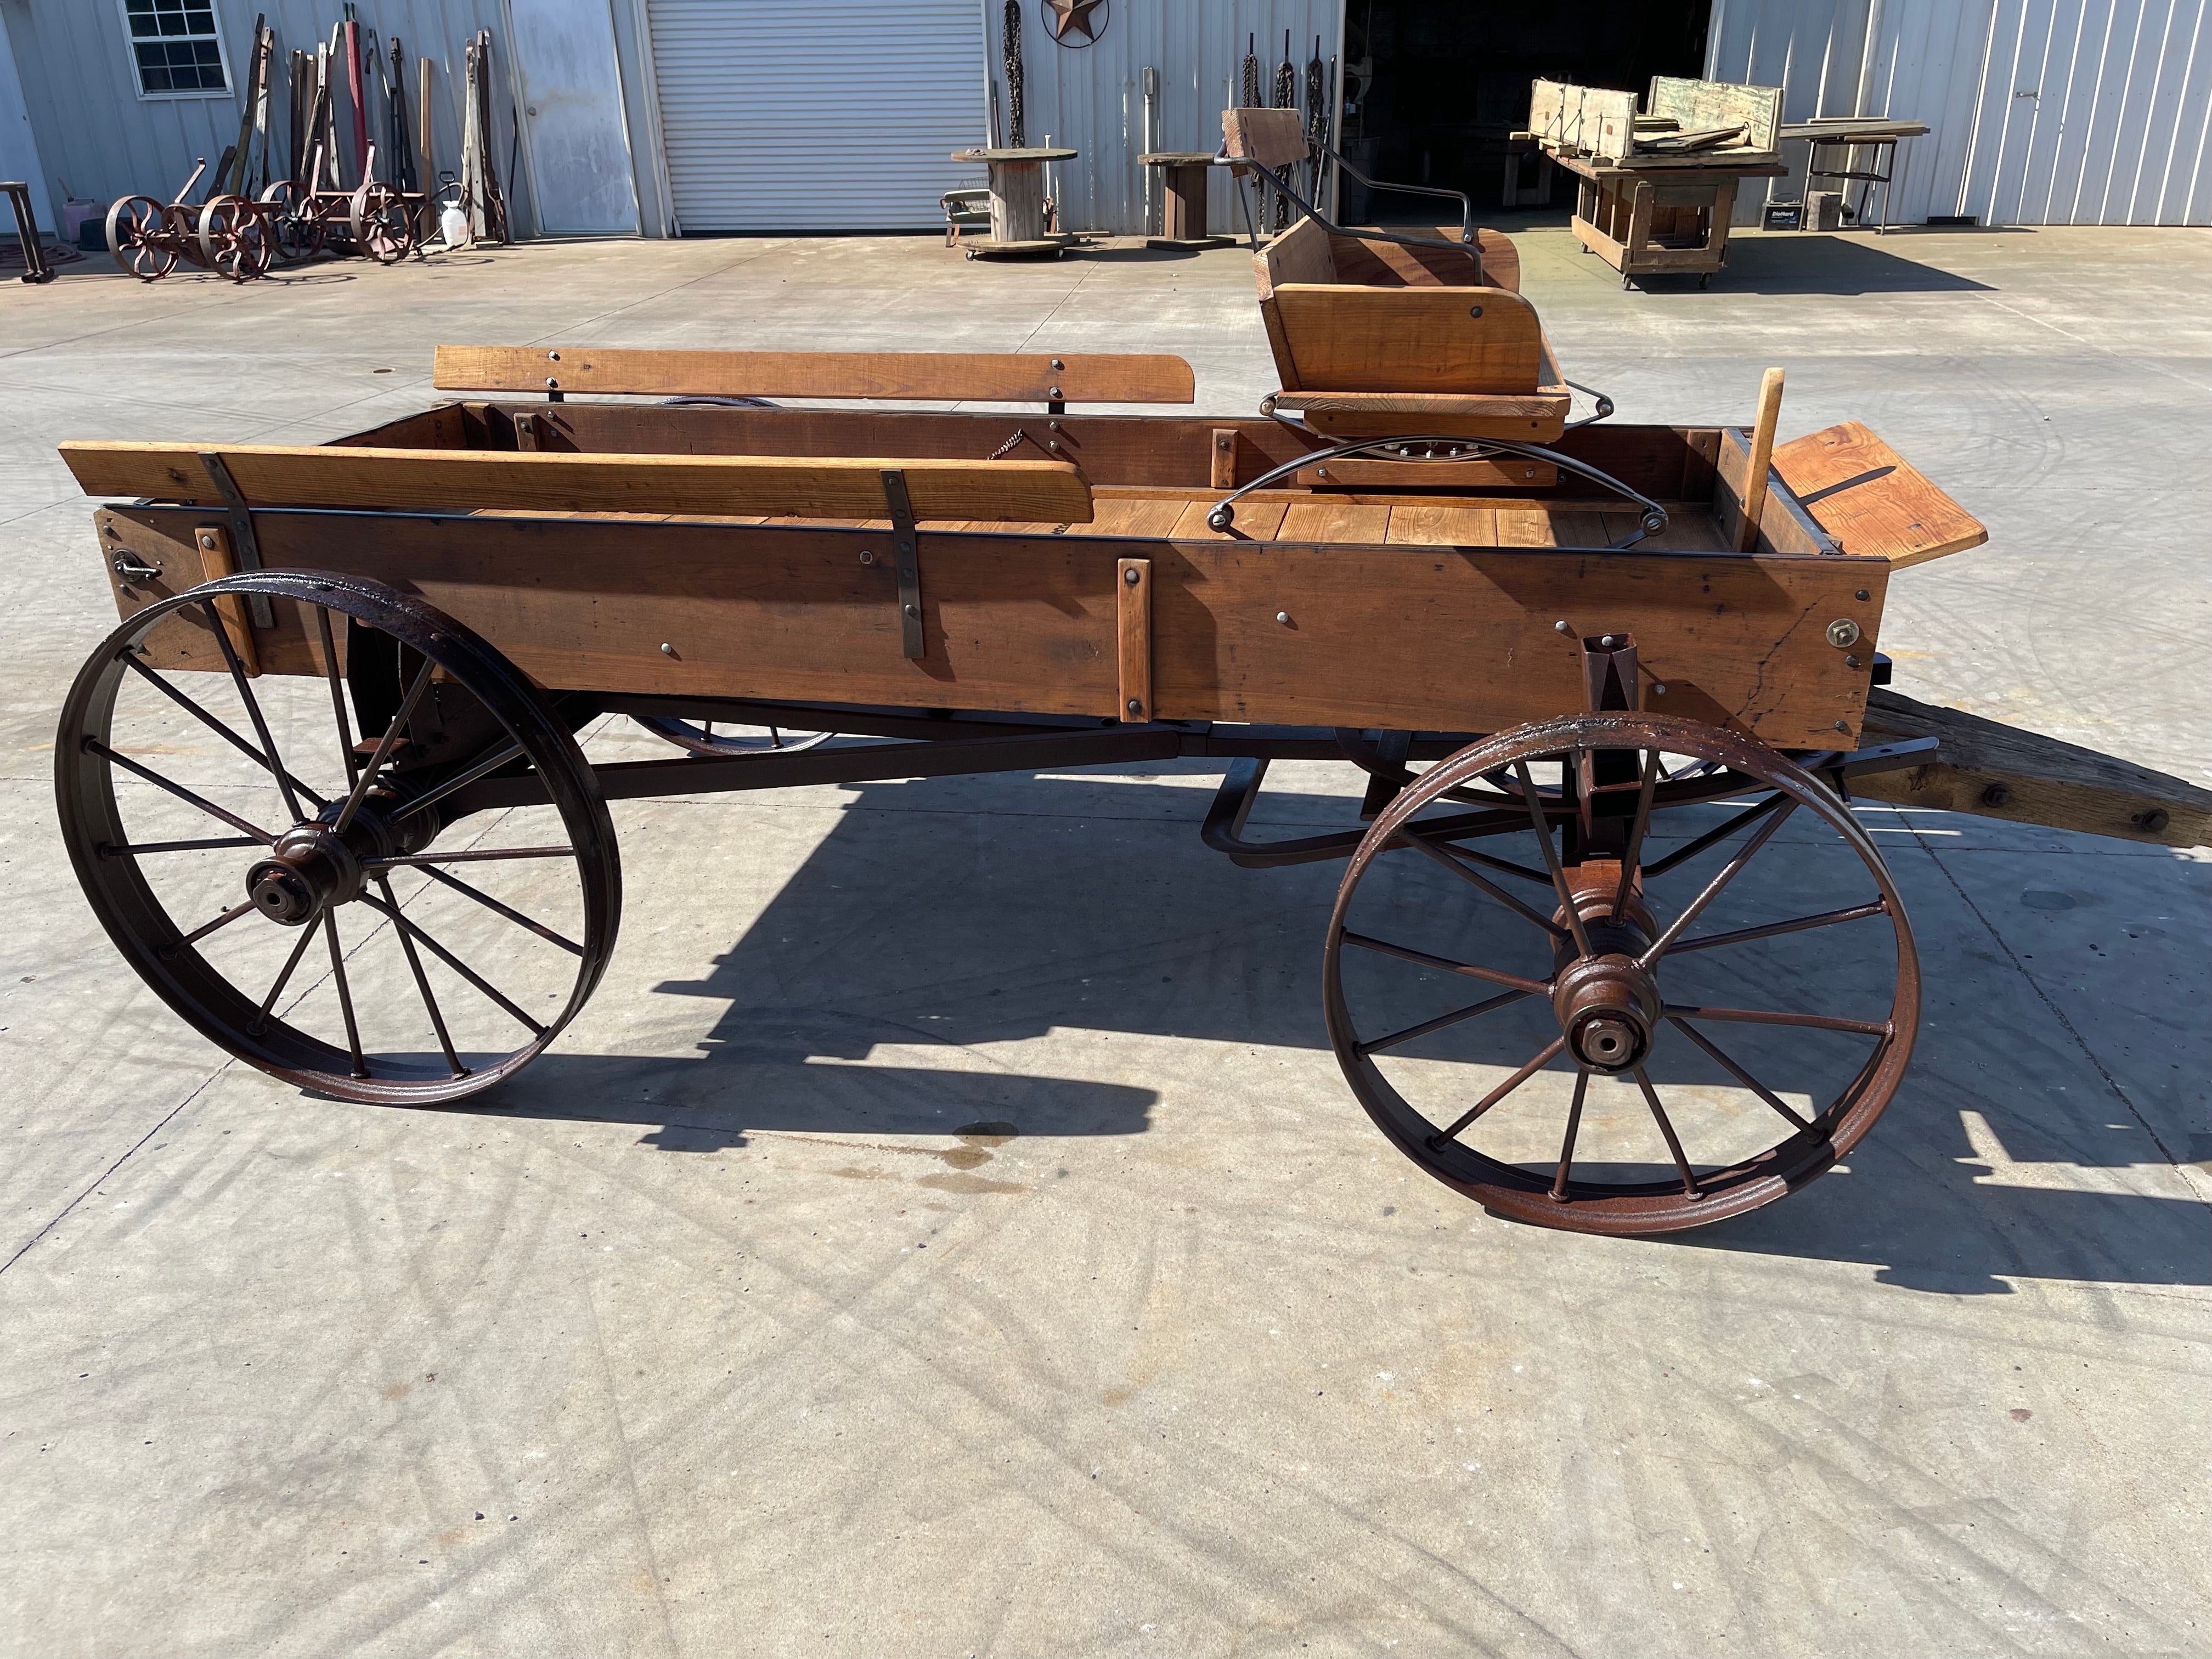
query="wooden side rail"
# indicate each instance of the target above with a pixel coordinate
(1871, 500)
(919, 376)
(704, 486)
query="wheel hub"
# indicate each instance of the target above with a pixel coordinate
(1607, 1005)
(309, 870)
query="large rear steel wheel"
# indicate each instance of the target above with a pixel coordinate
(1639, 1060)
(266, 848)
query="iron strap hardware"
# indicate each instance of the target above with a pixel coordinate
(904, 538)
(241, 532)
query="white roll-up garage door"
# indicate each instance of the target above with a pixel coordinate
(813, 115)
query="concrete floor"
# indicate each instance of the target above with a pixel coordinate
(1193, 1362)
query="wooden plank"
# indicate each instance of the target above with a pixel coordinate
(1325, 521)
(1785, 525)
(1299, 254)
(1369, 261)
(1506, 472)
(1871, 500)
(1133, 516)
(1273, 137)
(1470, 635)
(218, 560)
(1410, 339)
(1997, 771)
(1224, 474)
(1257, 519)
(443, 428)
(1567, 119)
(1703, 105)
(1552, 527)
(937, 376)
(1133, 604)
(1762, 456)
(271, 476)
(1425, 526)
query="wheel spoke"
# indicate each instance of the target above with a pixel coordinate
(1449, 856)
(423, 983)
(1500, 1092)
(1735, 1071)
(1727, 873)
(205, 928)
(1682, 855)
(399, 861)
(1551, 859)
(345, 992)
(1635, 830)
(131, 850)
(1471, 1011)
(94, 746)
(1745, 935)
(221, 731)
(261, 1018)
(1488, 860)
(275, 763)
(1567, 1140)
(489, 764)
(497, 909)
(1767, 1016)
(338, 697)
(384, 747)
(1492, 976)
(455, 963)
(1666, 1129)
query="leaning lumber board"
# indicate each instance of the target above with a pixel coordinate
(1700, 106)
(689, 485)
(1867, 496)
(933, 376)
(1998, 771)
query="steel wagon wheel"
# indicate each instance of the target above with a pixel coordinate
(702, 738)
(235, 238)
(261, 847)
(381, 224)
(134, 237)
(292, 217)
(1586, 1087)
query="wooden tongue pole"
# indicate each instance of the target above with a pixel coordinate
(1762, 456)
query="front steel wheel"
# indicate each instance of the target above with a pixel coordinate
(254, 813)
(1644, 1055)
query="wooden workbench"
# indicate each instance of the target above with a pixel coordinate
(1671, 220)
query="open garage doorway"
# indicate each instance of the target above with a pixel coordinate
(1433, 93)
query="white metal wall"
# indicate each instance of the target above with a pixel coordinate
(2042, 112)
(1091, 98)
(808, 115)
(95, 132)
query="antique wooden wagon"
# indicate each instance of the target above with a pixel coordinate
(324, 788)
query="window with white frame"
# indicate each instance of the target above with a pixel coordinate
(175, 48)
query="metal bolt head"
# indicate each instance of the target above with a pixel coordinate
(550, 380)
(1136, 707)
(1563, 627)
(1861, 595)
(866, 557)
(1320, 473)
(1130, 575)
(666, 649)
(552, 356)
(1843, 633)
(1997, 794)
(2150, 820)
(1474, 310)
(1658, 690)
(1529, 473)
(207, 541)
(1283, 616)
(910, 610)
(1843, 725)
(1053, 392)
(1057, 366)
(1852, 662)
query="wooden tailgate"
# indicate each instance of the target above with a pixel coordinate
(1871, 500)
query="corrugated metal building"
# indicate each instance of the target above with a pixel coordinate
(763, 115)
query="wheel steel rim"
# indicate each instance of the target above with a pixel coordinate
(134, 232)
(326, 860)
(702, 738)
(1559, 1198)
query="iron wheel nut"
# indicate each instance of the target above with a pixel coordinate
(1843, 633)
(1998, 794)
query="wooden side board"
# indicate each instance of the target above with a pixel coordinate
(932, 376)
(1402, 637)
(1871, 500)
(1997, 771)
(1785, 525)
(1407, 339)
(696, 485)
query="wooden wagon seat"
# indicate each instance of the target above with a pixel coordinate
(1374, 338)
(912, 376)
(692, 486)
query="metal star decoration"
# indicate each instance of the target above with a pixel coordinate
(1067, 18)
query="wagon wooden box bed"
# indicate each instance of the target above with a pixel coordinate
(323, 788)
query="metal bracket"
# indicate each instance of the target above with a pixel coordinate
(904, 537)
(242, 542)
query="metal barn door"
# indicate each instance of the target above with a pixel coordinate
(807, 115)
(575, 141)
(2094, 113)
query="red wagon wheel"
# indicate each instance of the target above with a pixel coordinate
(135, 238)
(296, 227)
(382, 227)
(1590, 1086)
(235, 238)
(263, 848)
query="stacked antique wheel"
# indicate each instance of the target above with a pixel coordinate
(262, 847)
(1633, 1064)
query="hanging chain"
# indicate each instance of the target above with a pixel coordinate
(1010, 44)
(1286, 97)
(1249, 87)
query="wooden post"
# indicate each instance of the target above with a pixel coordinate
(1132, 611)
(217, 559)
(1762, 455)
